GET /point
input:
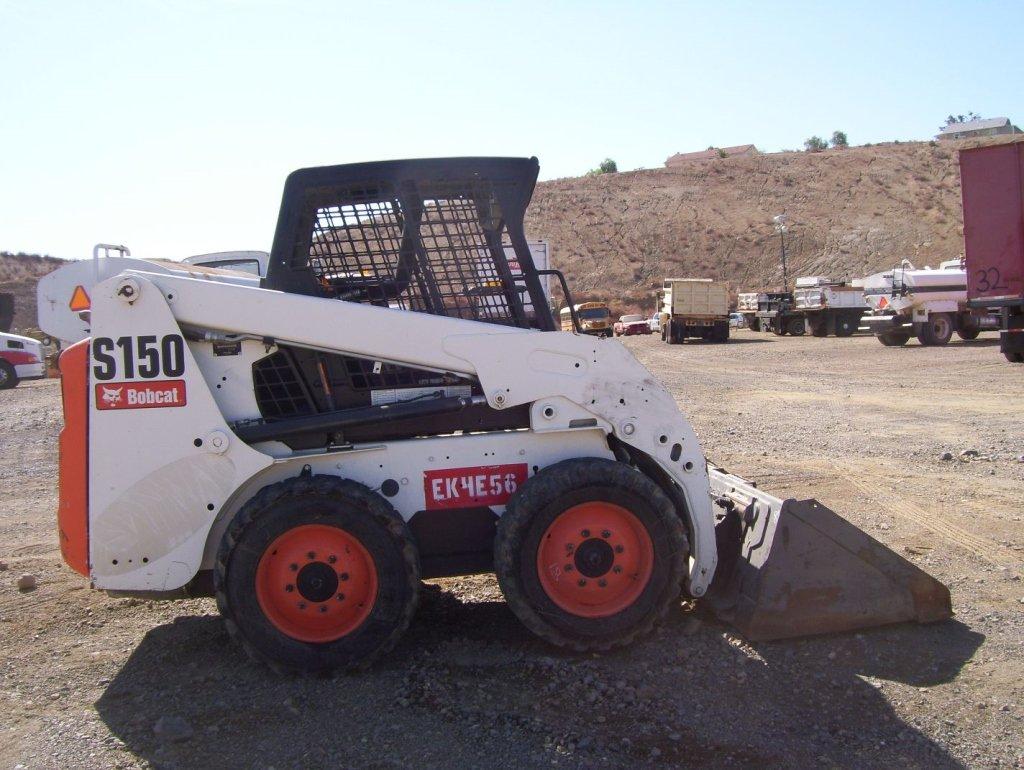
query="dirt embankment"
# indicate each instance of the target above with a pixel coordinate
(852, 212)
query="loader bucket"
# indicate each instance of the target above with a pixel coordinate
(796, 568)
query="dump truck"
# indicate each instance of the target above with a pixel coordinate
(777, 313)
(694, 308)
(929, 303)
(992, 184)
(829, 306)
(746, 306)
(309, 449)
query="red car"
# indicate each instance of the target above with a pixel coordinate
(631, 324)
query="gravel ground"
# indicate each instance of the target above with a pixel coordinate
(93, 681)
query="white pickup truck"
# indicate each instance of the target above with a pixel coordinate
(929, 303)
(21, 358)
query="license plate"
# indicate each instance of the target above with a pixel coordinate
(484, 485)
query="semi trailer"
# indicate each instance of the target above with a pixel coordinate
(992, 184)
(309, 448)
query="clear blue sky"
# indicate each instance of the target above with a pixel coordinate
(170, 126)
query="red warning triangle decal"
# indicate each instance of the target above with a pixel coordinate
(79, 299)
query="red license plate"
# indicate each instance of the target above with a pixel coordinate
(159, 394)
(483, 485)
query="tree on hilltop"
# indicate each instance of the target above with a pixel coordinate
(815, 144)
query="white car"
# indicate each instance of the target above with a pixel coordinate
(21, 358)
(737, 321)
(654, 322)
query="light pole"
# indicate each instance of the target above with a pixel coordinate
(782, 229)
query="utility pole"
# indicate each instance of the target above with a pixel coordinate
(782, 229)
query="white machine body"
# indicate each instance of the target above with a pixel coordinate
(168, 471)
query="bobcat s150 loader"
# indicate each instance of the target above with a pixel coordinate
(393, 402)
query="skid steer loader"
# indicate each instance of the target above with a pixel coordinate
(393, 402)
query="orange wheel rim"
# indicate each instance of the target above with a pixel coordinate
(316, 583)
(595, 559)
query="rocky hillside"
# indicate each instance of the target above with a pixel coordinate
(851, 212)
(18, 276)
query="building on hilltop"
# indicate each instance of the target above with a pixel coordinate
(710, 154)
(971, 129)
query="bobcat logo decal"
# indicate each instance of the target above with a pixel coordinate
(111, 396)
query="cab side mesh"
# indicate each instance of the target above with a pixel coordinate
(442, 255)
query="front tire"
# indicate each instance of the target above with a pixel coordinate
(317, 573)
(8, 377)
(590, 554)
(796, 327)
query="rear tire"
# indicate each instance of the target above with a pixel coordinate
(590, 554)
(819, 329)
(937, 330)
(8, 377)
(894, 339)
(1014, 357)
(796, 327)
(846, 326)
(317, 573)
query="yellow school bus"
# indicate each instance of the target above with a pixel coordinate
(595, 318)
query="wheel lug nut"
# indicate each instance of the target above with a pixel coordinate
(343, 576)
(605, 534)
(617, 569)
(289, 588)
(602, 583)
(568, 547)
(311, 554)
(568, 568)
(581, 582)
(331, 559)
(619, 549)
(293, 567)
(302, 605)
(323, 608)
(585, 533)
(341, 597)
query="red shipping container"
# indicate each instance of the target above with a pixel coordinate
(992, 182)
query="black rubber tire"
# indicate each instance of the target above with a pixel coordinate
(325, 500)
(777, 328)
(1014, 357)
(796, 327)
(893, 339)
(532, 509)
(819, 329)
(8, 377)
(754, 324)
(937, 330)
(968, 334)
(846, 325)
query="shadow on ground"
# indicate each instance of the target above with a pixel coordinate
(469, 685)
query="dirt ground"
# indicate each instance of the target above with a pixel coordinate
(93, 681)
